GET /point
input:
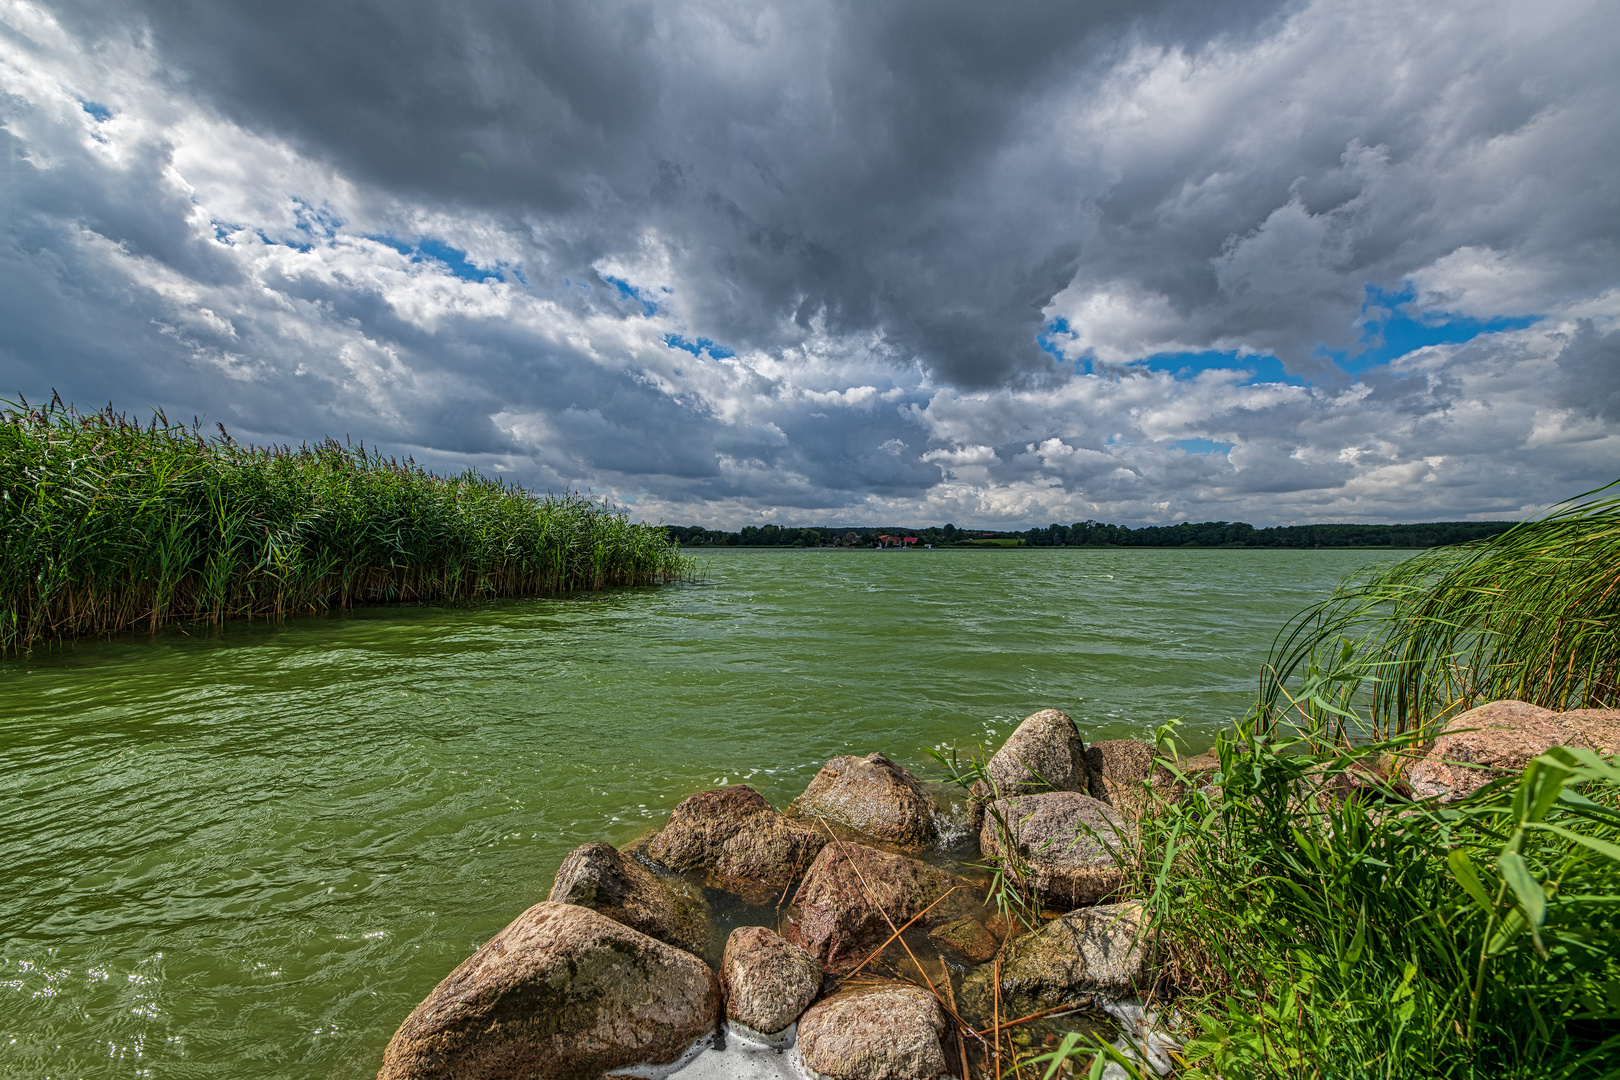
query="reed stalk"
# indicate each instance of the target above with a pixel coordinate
(1532, 614)
(108, 524)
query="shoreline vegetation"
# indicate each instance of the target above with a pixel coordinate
(1095, 534)
(109, 525)
(1405, 861)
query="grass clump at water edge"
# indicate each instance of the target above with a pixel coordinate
(108, 524)
(1532, 614)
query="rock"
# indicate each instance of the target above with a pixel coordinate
(832, 916)
(873, 796)
(1196, 772)
(602, 878)
(1044, 754)
(739, 842)
(887, 1032)
(966, 937)
(562, 992)
(1067, 866)
(1077, 960)
(1597, 728)
(767, 981)
(1507, 735)
(1362, 780)
(1118, 768)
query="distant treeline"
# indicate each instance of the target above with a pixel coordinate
(1097, 534)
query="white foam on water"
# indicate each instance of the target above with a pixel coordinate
(780, 1040)
(1141, 1036)
(954, 824)
(748, 1055)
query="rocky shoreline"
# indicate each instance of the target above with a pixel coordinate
(854, 933)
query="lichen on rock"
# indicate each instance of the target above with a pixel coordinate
(888, 1032)
(871, 795)
(1044, 753)
(1065, 845)
(604, 879)
(561, 992)
(853, 896)
(766, 980)
(738, 842)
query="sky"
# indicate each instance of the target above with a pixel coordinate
(842, 261)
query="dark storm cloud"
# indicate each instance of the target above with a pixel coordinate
(1590, 365)
(810, 159)
(501, 234)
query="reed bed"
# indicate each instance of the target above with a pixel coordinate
(1532, 614)
(108, 524)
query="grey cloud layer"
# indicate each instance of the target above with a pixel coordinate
(877, 207)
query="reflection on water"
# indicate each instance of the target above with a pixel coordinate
(250, 851)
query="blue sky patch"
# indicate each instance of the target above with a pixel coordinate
(1048, 341)
(452, 258)
(1186, 365)
(98, 112)
(1389, 333)
(628, 291)
(301, 248)
(455, 259)
(1204, 446)
(698, 347)
(1402, 334)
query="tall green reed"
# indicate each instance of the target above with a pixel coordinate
(108, 524)
(1532, 614)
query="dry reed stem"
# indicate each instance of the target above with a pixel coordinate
(866, 892)
(961, 1044)
(1010, 1024)
(995, 1030)
(904, 928)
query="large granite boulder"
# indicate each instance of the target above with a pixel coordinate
(1044, 754)
(738, 842)
(1064, 841)
(1077, 960)
(1506, 735)
(604, 879)
(886, 1032)
(766, 981)
(873, 796)
(838, 913)
(563, 992)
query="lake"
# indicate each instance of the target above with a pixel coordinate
(251, 850)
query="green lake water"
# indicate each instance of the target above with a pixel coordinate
(249, 852)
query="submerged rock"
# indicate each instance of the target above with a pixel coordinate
(873, 796)
(1077, 961)
(738, 841)
(966, 937)
(604, 879)
(838, 913)
(1065, 842)
(562, 992)
(889, 1032)
(1508, 735)
(767, 981)
(1045, 753)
